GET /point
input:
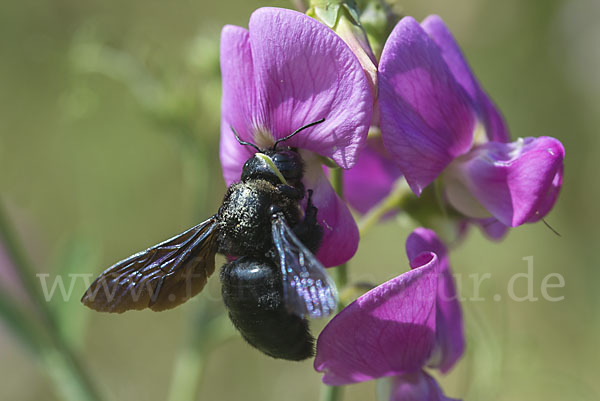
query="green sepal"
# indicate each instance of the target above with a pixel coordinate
(328, 14)
(352, 12)
(328, 162)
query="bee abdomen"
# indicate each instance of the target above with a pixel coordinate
(253, 293)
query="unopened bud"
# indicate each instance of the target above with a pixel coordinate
(378, 18)
(343, 18)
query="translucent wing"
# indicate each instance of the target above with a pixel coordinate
(308, 289)
(159, 278)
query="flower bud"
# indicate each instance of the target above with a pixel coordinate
(378, 19)
(342, 17)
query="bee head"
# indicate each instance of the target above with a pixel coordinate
(278, 166)
(283, 166)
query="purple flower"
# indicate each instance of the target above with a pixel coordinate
(285, 71)
(399, 327)
(372, 178)
(417, 386)
(436, 121)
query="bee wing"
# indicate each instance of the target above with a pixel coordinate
(159, 278)
(307, 288)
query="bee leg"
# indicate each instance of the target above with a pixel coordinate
(293, 192)
(309, 231)
(310, 215)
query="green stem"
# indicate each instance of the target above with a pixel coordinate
(195, 174)
(341, 271)
(73, 375)
(203, 335)
(189, 364)
(190, 360)
(187, 373)
(23, 269)
(393, 201)
(22, 325)
(334, 393)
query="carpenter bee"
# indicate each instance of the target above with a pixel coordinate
(272, 281)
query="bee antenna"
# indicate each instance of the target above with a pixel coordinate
(285, 138)
(243, 142)
(551, 229)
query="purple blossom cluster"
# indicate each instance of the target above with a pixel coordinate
(421, 117)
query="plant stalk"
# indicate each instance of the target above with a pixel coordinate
(73, 375)
(341, 271)
(207, 330)
(400, 193)
(334, 393)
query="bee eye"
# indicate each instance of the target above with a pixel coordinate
(289, 163)
(255, 168)
(281, 157)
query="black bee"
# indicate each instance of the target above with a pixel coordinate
(274, 281)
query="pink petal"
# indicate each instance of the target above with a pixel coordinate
(372, 178)
(427, 118)
(340, 233)
(492, 228)
(548, 201)
(516, 182)
(449, 335)
(305, 72)
(495, 127)
(288, 71)
(239, 102)
(417, 387)
(233, 155)
(387, 331)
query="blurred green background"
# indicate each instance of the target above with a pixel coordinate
(109, 125)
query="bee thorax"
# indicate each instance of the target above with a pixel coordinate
(244, 219)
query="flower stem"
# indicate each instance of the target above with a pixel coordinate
(334, 393)
(21, 323)
(187, 371)
(191, 357)
(341, 271)
(72, 380)
(393, 201)
(206, 331)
